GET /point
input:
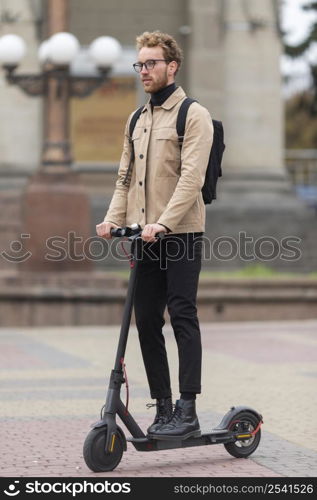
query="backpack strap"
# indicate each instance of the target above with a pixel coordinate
(181, 119)
(134, 119)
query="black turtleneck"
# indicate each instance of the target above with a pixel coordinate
(157, 98)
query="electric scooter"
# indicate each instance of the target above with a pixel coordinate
(239, 430)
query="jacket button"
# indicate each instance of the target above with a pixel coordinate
(140, 182)
(145, 130)
(143, 210)
(141, 156)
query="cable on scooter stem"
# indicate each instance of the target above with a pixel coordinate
(135, 230)
(129, 256)
(126, 385)
(131, 233)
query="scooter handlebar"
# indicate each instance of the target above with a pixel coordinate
(134, 230)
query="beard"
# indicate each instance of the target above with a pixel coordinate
(157, 85)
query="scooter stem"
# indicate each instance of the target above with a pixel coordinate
(127, 311)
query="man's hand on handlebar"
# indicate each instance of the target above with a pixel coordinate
(104, 229)
(149, 233)
(150, 230)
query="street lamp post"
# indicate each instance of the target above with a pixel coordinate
(56, 83)
(55, 203)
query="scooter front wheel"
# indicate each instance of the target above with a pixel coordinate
(95, 454)
(244, 424)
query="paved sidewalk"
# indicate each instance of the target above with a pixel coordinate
(53, 382)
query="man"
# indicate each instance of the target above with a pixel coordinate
(163, 193)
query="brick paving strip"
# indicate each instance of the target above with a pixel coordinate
(53, 447)
(52, 387)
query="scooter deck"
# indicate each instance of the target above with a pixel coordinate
(216, 436)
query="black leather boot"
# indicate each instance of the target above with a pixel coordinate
(183, 424)
(164, 411)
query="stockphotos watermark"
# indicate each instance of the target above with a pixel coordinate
(222, 248)
(61, 487)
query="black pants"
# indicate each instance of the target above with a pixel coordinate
(168, 274)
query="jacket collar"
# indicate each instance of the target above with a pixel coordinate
(170, 102)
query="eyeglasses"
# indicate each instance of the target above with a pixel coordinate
(149, 64)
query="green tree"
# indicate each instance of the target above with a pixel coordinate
(300, 124)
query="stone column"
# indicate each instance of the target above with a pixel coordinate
(253, 113)
(205, 54)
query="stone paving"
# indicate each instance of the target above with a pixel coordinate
(53, 383)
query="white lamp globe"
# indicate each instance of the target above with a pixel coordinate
(62, 48)
(105, 50)
(43, 52)
(12, 49)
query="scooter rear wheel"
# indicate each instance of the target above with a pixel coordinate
(245, 422)
(95, 455)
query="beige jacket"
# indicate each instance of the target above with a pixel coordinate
(165, 185)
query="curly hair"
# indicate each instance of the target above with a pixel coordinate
(171, 50)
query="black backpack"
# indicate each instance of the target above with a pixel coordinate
(215, 158)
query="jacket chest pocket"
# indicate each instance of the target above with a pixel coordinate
(166, 145)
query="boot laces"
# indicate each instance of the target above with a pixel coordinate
(150, 405)
(160, 411)
(159, 408)
(177, 415)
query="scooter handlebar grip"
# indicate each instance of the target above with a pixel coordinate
(117, 231)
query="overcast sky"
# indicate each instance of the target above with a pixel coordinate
(296, 22)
